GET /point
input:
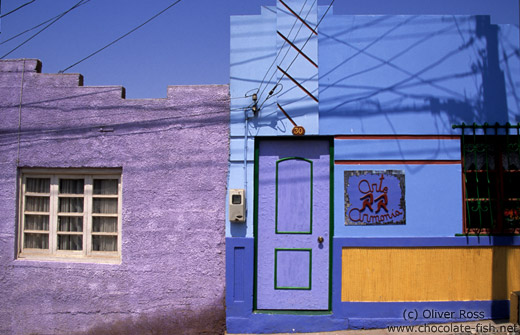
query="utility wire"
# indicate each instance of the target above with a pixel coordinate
(17, 8)
(281, 48)
(297, 54)
(121, 37)
(36, 26)
(47, 26)
(283, 58)
(308, 39)
(28, 30)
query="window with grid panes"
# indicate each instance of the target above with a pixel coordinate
(65, 215)
(492, 183)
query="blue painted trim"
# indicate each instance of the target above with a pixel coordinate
(365, 315)
(337, 265)
(381, 314)
(426, 310)
(284, 323)
(239, 276)
(455, 241)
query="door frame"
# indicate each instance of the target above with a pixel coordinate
(257, 141)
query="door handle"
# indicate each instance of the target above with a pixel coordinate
(320, 239)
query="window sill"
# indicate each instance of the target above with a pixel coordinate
(95, 259)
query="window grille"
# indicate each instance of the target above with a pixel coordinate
(491, 172)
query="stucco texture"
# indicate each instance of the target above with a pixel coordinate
(173, 153)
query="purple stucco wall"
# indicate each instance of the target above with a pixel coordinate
(173, 153)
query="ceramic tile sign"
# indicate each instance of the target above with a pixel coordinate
(374, 197)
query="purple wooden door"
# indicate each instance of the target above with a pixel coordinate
(293, 225)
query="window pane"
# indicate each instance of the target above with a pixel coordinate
(104, 243)
(511, 159)
(104, 225)
(70, 223)
(36, 241)
(36, 222)
(71, 205)
(105, 186)
(479, 156)
(70, 242)
(512, 214)
(481, 185)
(37, 204)
(481, 214)
(104, 206)
(72, 186)
(511, 185)
(38, 185)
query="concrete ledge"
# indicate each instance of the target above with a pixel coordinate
(20, 65)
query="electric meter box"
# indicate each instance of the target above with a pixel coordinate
(237, 205)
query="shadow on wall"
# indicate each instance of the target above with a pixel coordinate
(492, 105)
(469, 82)
(208, 321)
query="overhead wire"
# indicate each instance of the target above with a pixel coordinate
(283, 58)
(121, 37)
(272, 92)
(308, 39)
(17, 8)
(47, 26)
(281, 48)
(36, 26)
(297, 54)
(248, 94)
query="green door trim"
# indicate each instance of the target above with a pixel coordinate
(255, 223)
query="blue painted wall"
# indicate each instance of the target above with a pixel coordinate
(433, 191)
(415, 74)
(405, 79)
(427, 213)
(393, 75)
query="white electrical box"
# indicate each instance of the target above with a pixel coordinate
(237, 205)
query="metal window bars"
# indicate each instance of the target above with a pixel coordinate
(491, 170)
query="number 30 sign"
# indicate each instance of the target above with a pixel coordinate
(298, 131)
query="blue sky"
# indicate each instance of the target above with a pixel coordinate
(186, 45)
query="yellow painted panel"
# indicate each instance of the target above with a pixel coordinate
(430, 274)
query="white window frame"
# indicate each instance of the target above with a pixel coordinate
(86, 254)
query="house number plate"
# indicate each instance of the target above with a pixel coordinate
(298, 131)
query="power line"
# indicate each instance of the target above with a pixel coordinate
(121, 37)
(308, 39)
(47, 26)
(297, 54)
(281, 48)
(28, 30)
(17, 8)
(36, 26)
(283, 58)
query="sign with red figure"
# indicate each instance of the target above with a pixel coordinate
(374, 197)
